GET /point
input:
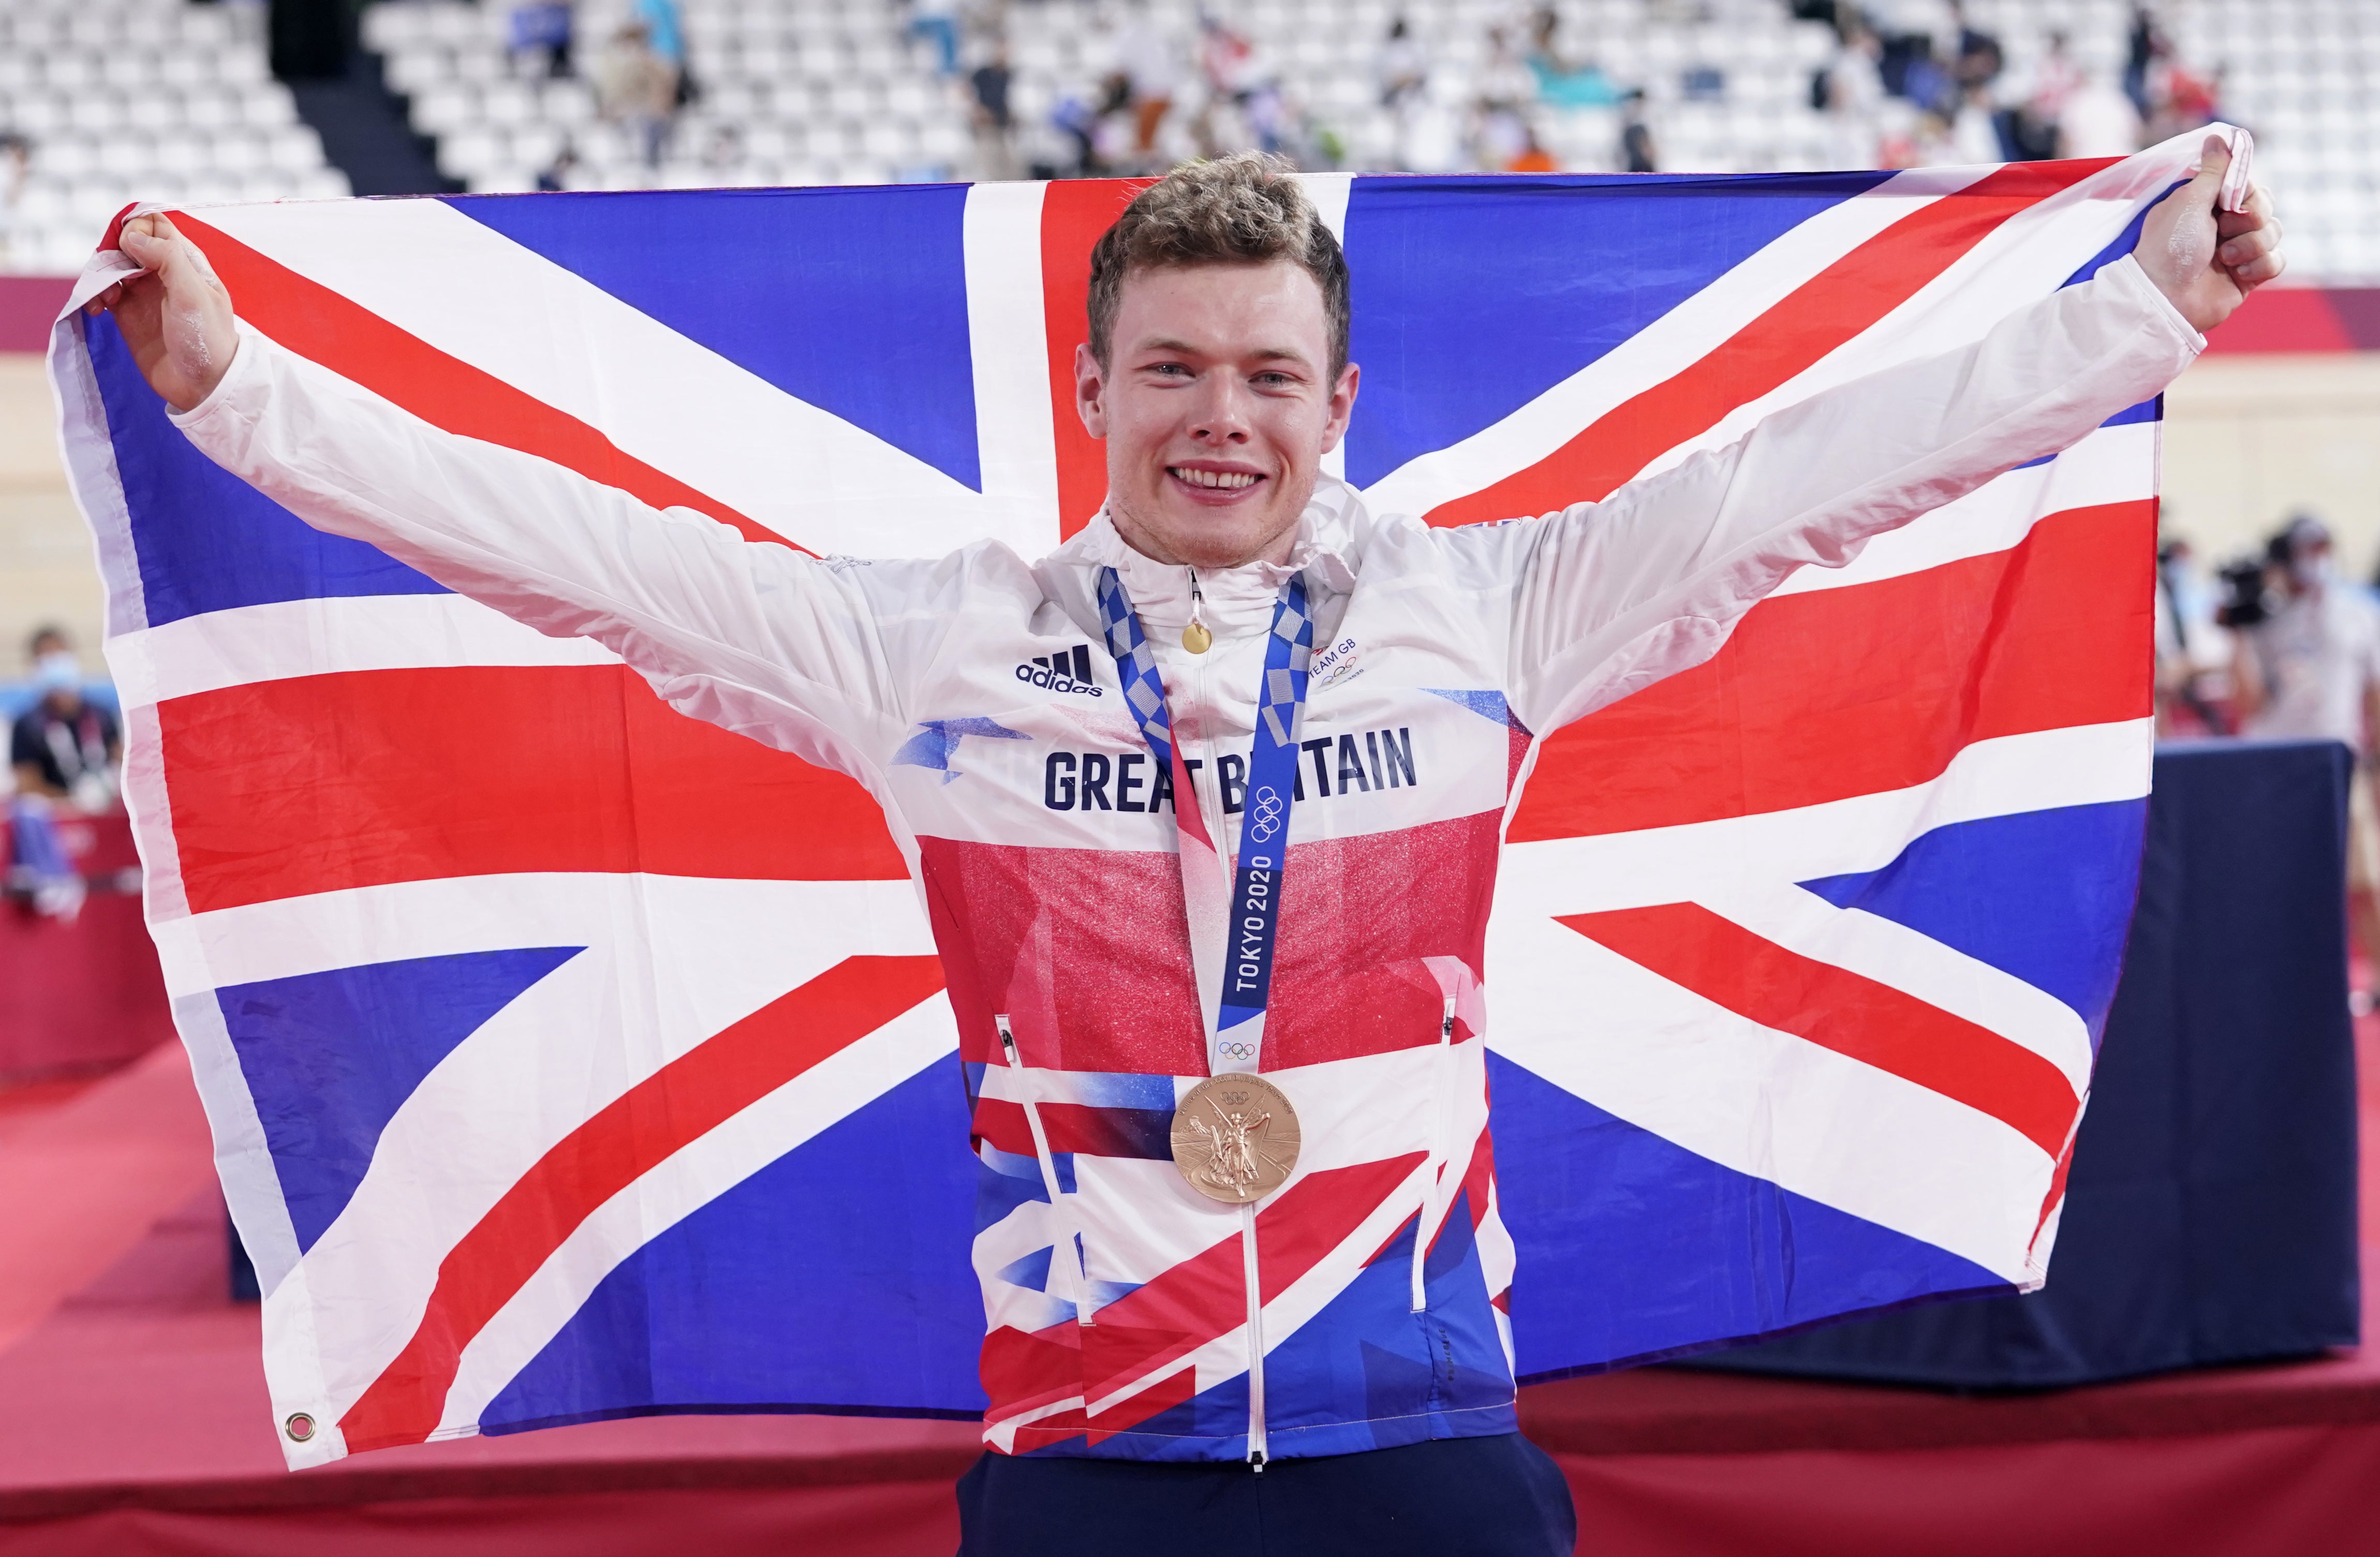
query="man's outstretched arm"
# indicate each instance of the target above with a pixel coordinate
(756, 637)
(1610, 597)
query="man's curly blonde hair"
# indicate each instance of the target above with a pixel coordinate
(1242, 210)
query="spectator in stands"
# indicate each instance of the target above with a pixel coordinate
(2180, 100)
(1854, 95)
(1637, 153)
(1975, 129)
(1929, 141)
(2309, 670)
(540, 37)
(1403, 69)
(663, 33)
(1078, 122)
(2193, 655)
(636, 88)
(994, 122)
(1979, 60)
(937, 22)
(2098, 121)
(1533, 157)
(1146, 58)
(2030, 131)
(1921, 78)
(1561, 80)
(1233, 70)
(563, 172)
(2144, 46)
(1507, 95)
(65, 746)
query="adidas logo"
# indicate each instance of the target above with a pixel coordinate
(1062, 671)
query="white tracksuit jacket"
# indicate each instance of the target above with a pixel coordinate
(1124, 1320)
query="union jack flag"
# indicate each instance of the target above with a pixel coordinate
(568, 1058)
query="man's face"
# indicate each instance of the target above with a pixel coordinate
(1217, 406)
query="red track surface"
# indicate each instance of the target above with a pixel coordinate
(133, 1421)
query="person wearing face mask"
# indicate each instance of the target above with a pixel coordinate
(65, 746)
(2311, 671)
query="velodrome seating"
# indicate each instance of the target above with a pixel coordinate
(172, 99)
(150, 99)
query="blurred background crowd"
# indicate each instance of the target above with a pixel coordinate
(103, 100)
(193, 101)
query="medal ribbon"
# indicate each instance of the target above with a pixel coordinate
(1253, 908)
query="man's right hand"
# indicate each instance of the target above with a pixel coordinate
(175, 316)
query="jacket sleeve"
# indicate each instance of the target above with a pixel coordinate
(1608, 598)
(755, 637)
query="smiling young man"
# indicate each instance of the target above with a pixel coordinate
(1211, 904)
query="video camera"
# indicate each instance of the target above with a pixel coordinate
(2245, 597)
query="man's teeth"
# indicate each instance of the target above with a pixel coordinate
(1216, 478)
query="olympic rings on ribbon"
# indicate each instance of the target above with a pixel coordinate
(1236, 1051)
(1264, 814)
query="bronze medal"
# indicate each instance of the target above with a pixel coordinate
(1235, 1137)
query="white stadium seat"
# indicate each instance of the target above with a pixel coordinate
(173, 95)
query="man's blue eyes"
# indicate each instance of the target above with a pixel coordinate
(1171, 370)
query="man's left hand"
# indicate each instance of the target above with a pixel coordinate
(2206, 261)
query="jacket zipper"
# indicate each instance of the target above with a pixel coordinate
(1067, 1255)
(1255, 1340)
(1221, 832)
(1435, 1167)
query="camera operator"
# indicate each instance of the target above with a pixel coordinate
(2310, 669)
(2193, 658)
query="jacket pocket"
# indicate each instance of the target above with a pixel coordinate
(1434, 1169)
(1066, 1253)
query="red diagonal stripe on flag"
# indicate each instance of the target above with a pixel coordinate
(1837, 693)
(448, 394)
(1812, 320)
(1073, 214)
(669, 1110)
(1837, 1009)
(320, 783)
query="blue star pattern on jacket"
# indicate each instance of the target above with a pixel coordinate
(937, 742)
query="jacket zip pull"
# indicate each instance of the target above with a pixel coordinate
(1435, 1169)
(1067, 1258)
(1195, 637)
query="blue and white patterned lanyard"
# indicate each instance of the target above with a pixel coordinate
(1254, 904)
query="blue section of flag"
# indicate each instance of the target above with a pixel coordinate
(837, 1278)
(206, 540)
(874, 330)
(329, 1056)
(2131, 416)
(1711, 1255)
(1556, 272)
(2043, 895)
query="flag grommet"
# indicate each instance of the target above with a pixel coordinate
(299, 1426)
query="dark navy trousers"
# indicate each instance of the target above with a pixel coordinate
(1478, 1497)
